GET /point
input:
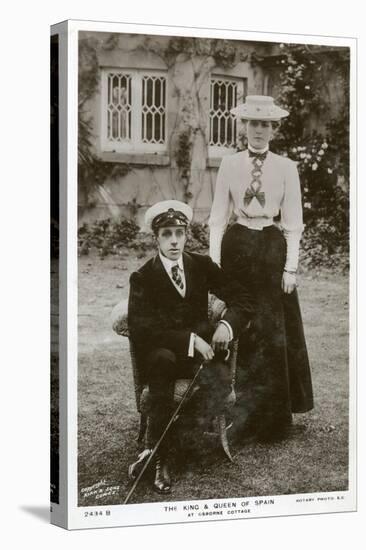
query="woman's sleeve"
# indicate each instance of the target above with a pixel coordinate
(220, 211)
(291, 216)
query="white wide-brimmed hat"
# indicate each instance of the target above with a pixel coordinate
(165, 213)
(259, 107)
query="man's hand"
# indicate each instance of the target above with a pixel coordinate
(221, 338)
(203, 348)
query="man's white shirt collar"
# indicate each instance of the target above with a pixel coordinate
(168, 264)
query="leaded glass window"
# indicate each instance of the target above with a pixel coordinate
(225, 93)
(153, 109)
(134, 110)
(119, 107)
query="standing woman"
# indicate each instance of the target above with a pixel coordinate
(256, 185)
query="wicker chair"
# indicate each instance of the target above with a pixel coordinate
(216, 309)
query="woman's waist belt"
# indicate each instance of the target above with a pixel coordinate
(255, 223)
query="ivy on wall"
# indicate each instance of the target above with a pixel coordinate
(223, 52)
(183, 156)
(92, 172)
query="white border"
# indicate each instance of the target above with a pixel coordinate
(141, 514)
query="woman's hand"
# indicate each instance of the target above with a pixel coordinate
(288, 282)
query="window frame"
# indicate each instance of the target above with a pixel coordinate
(135, 143)
(219, 151)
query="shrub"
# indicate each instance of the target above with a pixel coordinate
(322, 157)
(110, 237)
(197, 238)
(322, 247)
(323, 243)
(107, 236)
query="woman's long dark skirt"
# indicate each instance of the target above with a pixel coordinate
(273, 374)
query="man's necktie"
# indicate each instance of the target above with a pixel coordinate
(254, 190)
(176, 277)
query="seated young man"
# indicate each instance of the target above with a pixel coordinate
(168, 321)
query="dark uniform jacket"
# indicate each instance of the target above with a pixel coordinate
(159, 317)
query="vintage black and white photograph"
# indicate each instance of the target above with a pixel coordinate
(182, 273)
(213, 268)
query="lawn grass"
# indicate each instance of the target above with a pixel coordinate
(313, 459)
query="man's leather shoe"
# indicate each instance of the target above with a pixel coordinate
(162, 481)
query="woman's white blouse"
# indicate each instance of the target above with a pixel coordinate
(281, 185)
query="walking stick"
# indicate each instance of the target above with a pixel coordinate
(171, 421)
